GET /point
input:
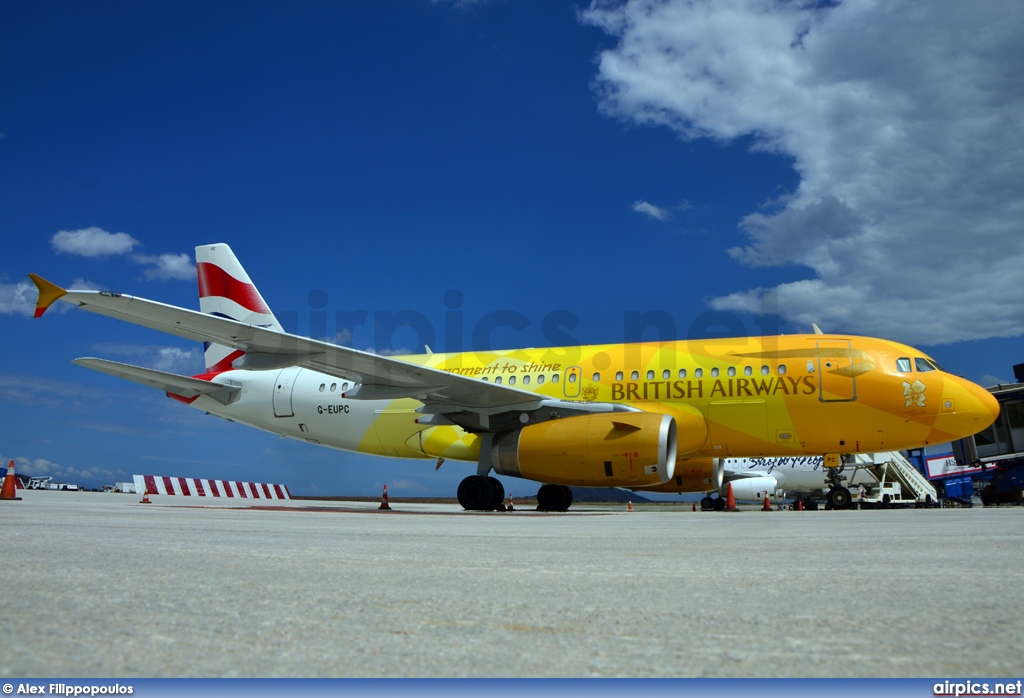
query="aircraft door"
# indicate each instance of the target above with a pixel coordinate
(283, 388)
(573, 379)
(836, 378)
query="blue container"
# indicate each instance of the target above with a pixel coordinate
(958, 488)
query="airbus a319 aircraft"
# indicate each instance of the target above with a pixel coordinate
(657, 416)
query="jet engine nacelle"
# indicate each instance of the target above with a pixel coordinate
(754, 488)
(619, 449)
(692, 475)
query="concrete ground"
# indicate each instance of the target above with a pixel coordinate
(95, 584)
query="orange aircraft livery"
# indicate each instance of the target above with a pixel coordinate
(647, 416)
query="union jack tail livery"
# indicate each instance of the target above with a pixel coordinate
(225, 290)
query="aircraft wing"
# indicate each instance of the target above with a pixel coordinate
(168, 382)
(378, 377)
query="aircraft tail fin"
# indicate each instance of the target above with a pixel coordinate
(225, 290)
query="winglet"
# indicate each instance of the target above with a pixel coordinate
(817, 330)
(48, 293)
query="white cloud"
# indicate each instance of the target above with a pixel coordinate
(990, 380)
(18, 299)
(168, 266)
(170, 359)
(342, 337)
(92, 242)
(175, 360)
(904, 121)
(40, 467)
(96, 242)
(401, 351)
(651, 210)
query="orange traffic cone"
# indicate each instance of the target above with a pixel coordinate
(767, 503)
(145, 496)
(730, 501)
(10, 485)
(630, 507)
(384, 500)
(509, 507)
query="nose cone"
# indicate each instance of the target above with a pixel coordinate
(982, 406)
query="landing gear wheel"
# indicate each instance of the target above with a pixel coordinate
(475, 493)
(719, 503)
(838, 497)
(554, 498)
(707, 503)
(497, 494)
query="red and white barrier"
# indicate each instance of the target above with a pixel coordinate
(197, 487)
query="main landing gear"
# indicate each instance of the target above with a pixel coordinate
(480, 493)
(554, 498)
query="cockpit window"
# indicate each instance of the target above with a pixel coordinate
(903, 365)
(923, 365)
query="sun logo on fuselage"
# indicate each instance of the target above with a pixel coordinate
(590, 393)
(913, 393)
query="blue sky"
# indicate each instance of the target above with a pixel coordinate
(563, 166)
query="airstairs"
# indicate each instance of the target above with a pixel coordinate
(887, 479)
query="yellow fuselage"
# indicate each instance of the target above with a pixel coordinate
(757, 396)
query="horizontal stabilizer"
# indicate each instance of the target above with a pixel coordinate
(168, 382)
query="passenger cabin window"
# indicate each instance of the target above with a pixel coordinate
(782, 369)
(497, 380)
(732, 371)
(597, 377)
(511, 380)
(322, 386)
(765, 370)
(903, 365)
(650, 375)
(572, 377)
(682, 373)
(540, 379)
(923, 365)
(698, 373)
(714, 372)
(554, 378)
(748, 370)
(526, 380)
(666, 374)
(635, 375)
(334, 386)
(618, 376)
